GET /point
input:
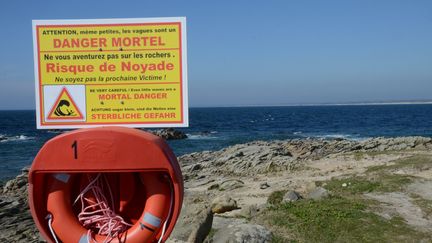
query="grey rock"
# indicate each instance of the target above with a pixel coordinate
(264, 185)
(248, 159)
(263, 157)
(171, 240)
(25, 169)
(291, 196)
(242, 233)
(223, 204)
(249, 211)
(221, 222)
(196, 167)
(239, 154)
(213, 187)
(169, 134)
(194, 220)
(16, 223)
(318, 193)
(8, 186)
(201, 226)
(231, 184)
(310, 186)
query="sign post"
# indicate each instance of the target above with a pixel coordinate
(127, 72)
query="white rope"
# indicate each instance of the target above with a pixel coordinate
(98, 214)
(49, 217)
(169, 212)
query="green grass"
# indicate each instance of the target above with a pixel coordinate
(416, 162)
(424, 204)
(354, 185)
(359, 155)
(280, 239)
(380, 178)
(276, 197)
(347, 216)
(336, 219)
(359, 185)
(392, 183)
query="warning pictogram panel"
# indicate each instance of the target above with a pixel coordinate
(64, 103)
(65, 107)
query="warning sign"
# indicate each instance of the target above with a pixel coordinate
(130, 72)
(65, 108)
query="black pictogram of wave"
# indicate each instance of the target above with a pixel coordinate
(59, 112)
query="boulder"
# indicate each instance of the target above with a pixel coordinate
(195, 167)
(291, 196)
(171, 240)
(201, 226)
(231, 184)
(194, 223)
(16, 222)
(223, 204)
(213, 187)
(169, 134)
(249, 211)
(318, 193)
(264, 185)
(17, 185)
(241, 233)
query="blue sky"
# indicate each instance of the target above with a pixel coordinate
(258, 52)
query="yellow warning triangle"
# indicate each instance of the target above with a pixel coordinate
(65, 108)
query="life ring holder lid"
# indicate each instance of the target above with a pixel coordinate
(104, 149)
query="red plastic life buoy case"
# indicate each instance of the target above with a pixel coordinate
(120, 153)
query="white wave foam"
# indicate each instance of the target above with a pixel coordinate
(354, 137)
(343, 136)
(200, 136)
(5, 139)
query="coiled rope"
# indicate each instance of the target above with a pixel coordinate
(97, 214)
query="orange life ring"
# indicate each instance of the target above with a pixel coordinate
(158, 195)
(143, 170)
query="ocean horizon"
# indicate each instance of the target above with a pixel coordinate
(218, 127)
(366, 103)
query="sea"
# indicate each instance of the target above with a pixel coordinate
(215, 128)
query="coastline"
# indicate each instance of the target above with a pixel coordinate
(366, 103)
(237, 193)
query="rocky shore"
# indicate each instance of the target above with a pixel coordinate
(169, 133)
(306, 190)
